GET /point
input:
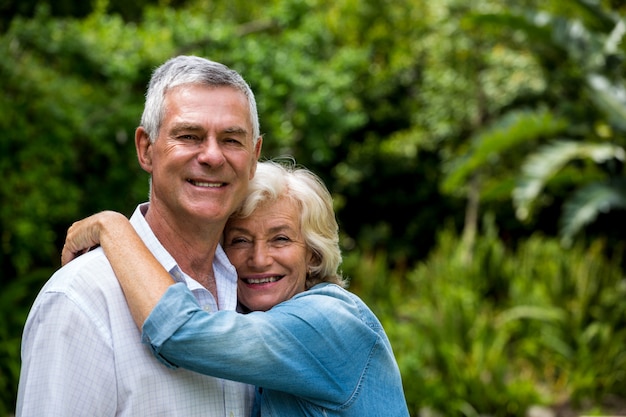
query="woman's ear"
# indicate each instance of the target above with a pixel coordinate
(312, 261)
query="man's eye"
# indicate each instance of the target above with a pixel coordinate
(233, 141)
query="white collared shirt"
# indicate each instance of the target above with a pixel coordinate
(82, 353)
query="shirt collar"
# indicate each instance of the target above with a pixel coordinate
(149, 238)
(225, 272)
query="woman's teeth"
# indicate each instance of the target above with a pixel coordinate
(262, 280)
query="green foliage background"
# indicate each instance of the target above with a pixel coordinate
(474, 149)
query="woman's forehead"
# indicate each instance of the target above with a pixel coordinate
(270, 216)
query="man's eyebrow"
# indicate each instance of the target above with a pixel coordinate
(191, 127)
(236, 130)
(185, 127)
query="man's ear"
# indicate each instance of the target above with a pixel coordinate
(257, 154)
(144, 149)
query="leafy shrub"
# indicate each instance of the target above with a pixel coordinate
(510, 328)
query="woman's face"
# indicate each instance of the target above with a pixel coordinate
(269, 253)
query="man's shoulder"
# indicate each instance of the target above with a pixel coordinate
(84, 289)
(84, 274)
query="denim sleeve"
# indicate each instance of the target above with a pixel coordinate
(299, 346)
(169, 316)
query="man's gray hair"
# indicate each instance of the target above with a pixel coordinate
(185, 69)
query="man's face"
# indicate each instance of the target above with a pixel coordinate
(204, 156)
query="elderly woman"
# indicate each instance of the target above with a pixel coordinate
(311, 347)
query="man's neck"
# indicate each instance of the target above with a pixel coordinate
(191, 244)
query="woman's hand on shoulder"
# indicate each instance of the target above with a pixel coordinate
(86, 234)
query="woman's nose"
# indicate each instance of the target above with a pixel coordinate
(261, 255)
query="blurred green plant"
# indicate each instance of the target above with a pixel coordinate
(580, 54)
(512, 328)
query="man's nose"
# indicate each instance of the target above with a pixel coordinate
(211, 153)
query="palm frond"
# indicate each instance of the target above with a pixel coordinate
(519, 126)
(548, 160)
(610, 97)
(586, 204)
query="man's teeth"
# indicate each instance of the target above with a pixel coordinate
(206, 184)
(262, 280)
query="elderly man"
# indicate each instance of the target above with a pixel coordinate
(82, 355)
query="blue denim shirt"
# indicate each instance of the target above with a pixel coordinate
(321, 353)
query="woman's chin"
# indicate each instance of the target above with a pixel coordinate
(259, 305)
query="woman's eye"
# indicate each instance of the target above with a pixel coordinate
(239, 241)
(281, 241)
